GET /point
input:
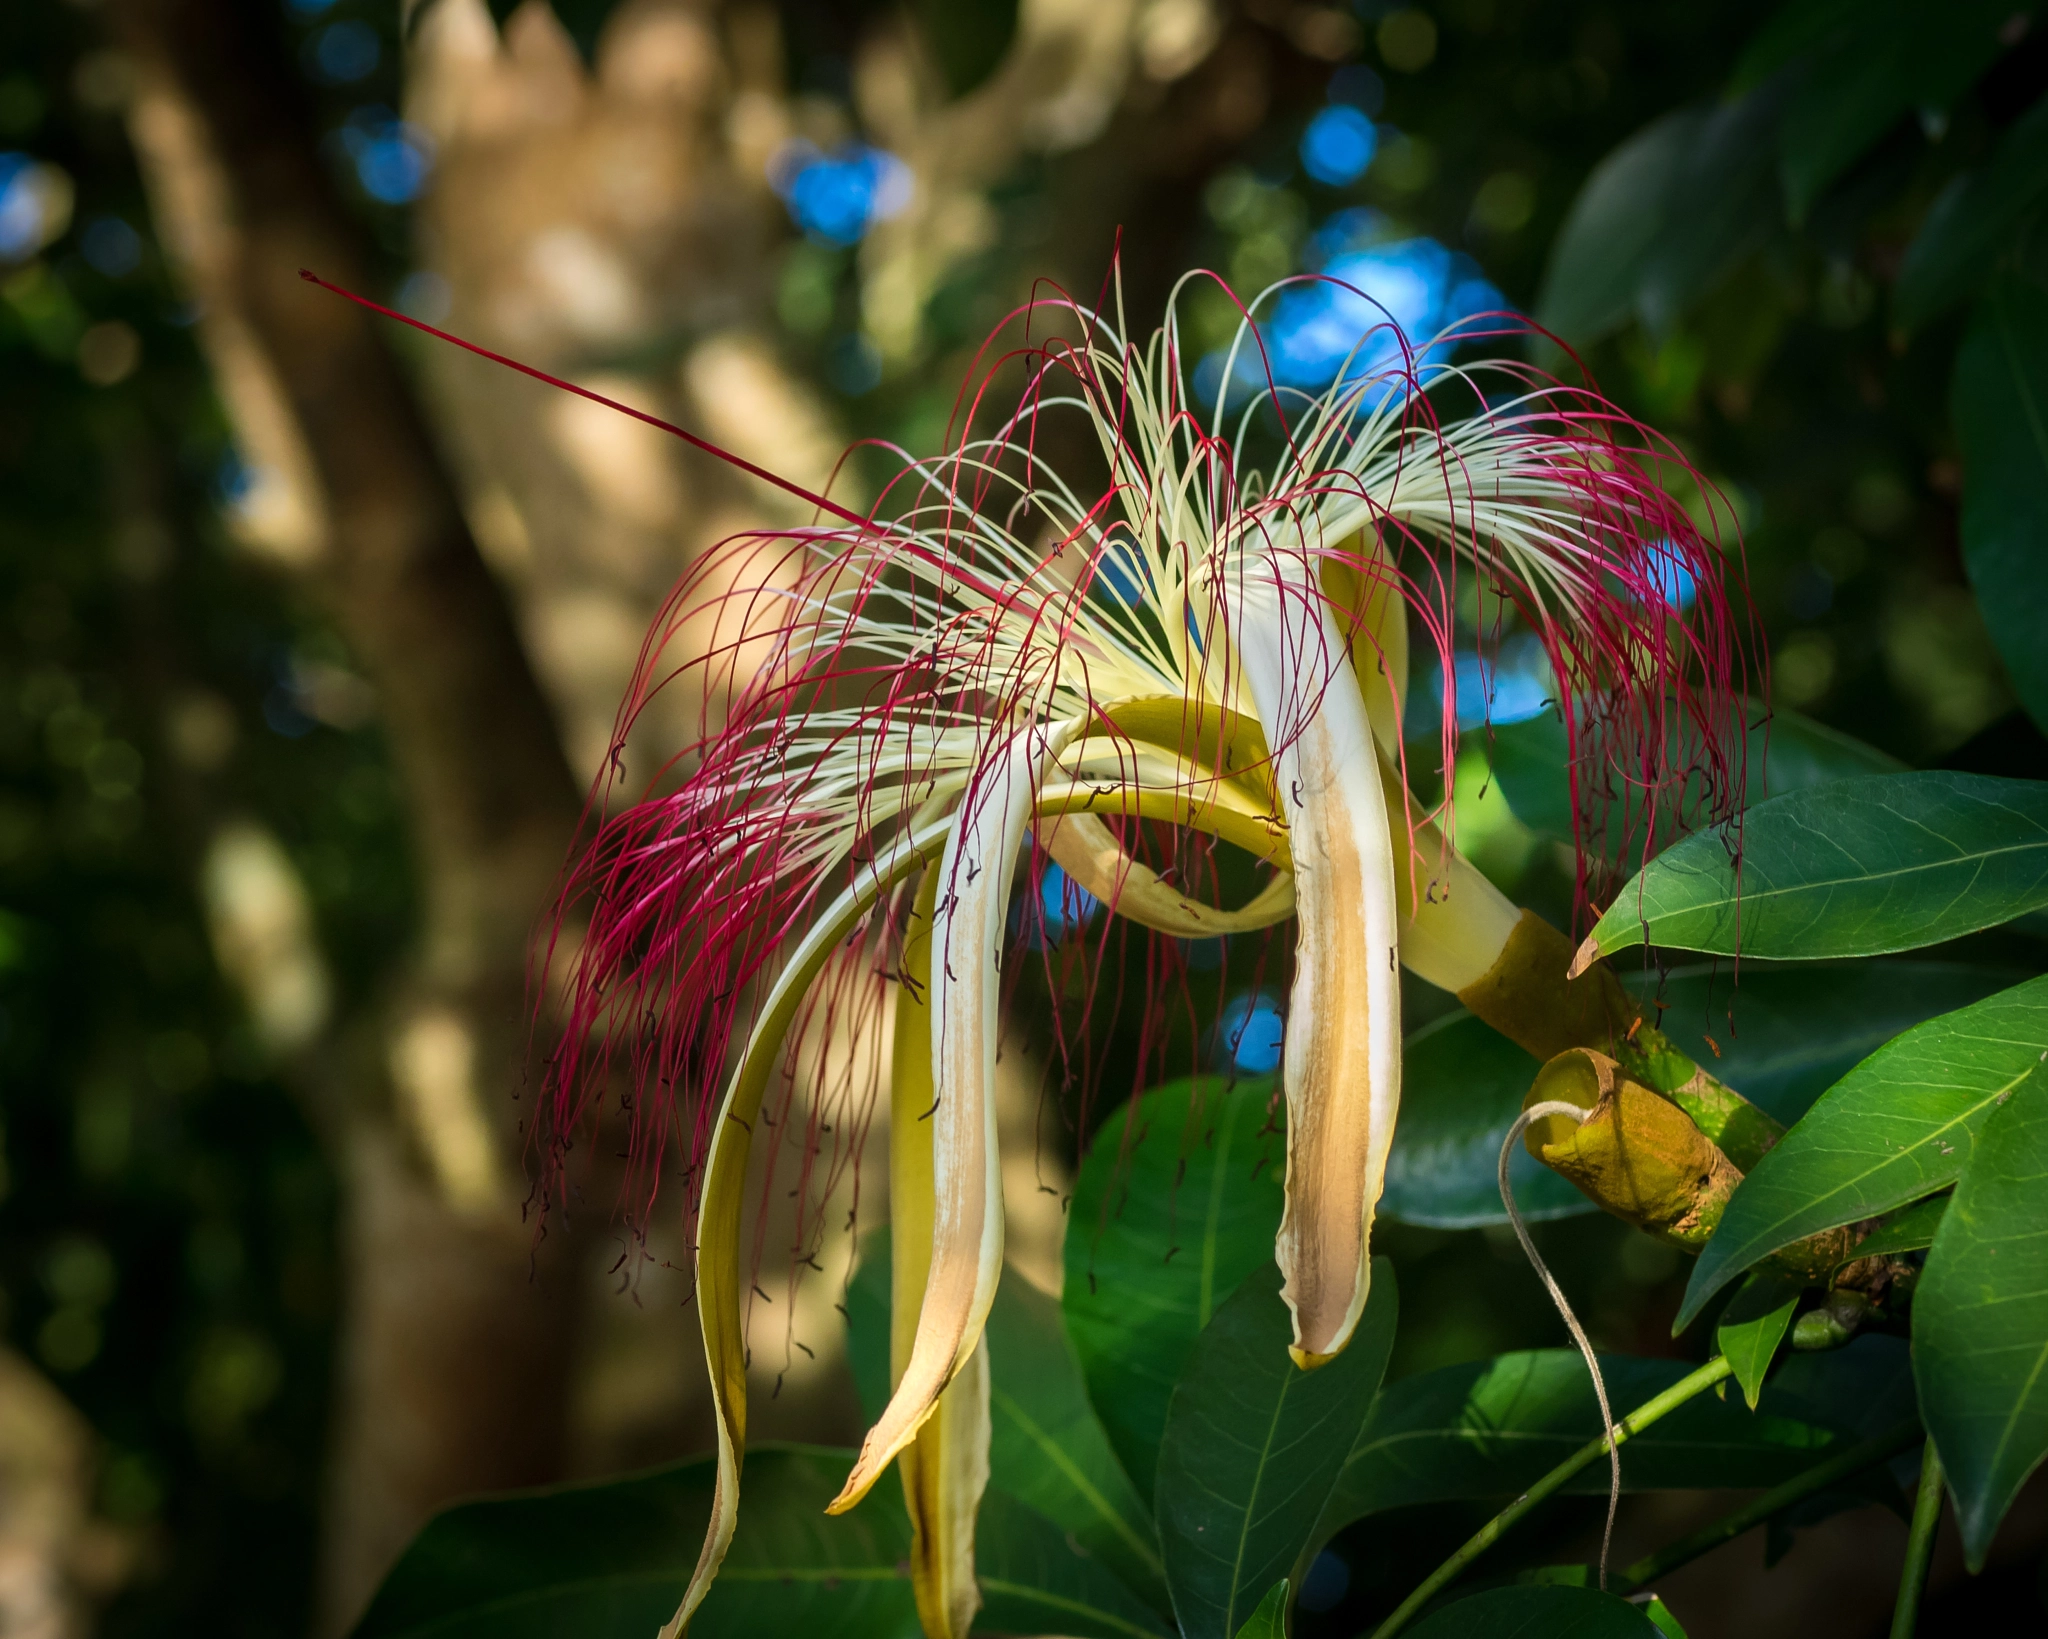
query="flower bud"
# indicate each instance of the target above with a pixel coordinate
(1526, 996)
(1636, 1154)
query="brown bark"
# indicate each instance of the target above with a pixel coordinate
(458, 1344)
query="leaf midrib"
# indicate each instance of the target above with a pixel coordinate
(1079, 1480)
(1819, 884)
(1080, 1607)
(1251, 1504)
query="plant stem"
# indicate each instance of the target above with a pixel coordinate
(1919, 1545)
(1801, 1486)
(1686, 1388)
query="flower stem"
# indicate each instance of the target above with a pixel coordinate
(1801, 1486)
(1650, 1411)
(1919, 1545)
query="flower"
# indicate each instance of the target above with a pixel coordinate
(1210, 633)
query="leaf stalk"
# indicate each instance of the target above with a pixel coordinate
(1650, 1411)
(1919, 1545)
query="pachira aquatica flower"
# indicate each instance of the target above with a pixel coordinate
(1106, 616)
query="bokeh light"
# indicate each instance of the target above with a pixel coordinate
(1373, 309)
(392, 158)
(837, 197)
(1338, 145)
(1253, 1034)
(111, 246)
(342, 53)
(35, 205)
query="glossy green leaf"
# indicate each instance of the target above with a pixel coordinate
(1035, 1579)
(611, 1561)
(2001, 415)
(1544, 1611)
(1269, 1621)
(1662, 1618)
(1252, 1445)
(1861, 66)
(1462, 1085)
(1784, 1035)
(1047, 1448)
(1178, 1199)
(1661, 218)
(1781, 1035)
(1980, 1319)
(1783, 752)
(1754, 1325)
(1912, 1230)
(1857, 868)
(1488, 1428)
(1897, 1127)
(1612, 230)
(1861, 1391)
(1973, 222)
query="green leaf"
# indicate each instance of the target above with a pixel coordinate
(1783, 752)
(1662, 218)
(867, 1325)
(1754, 1325)
(1611, 230)
(1488, 1428)
(1462, 1088)
(1910, 1231)
(1269, 1621)
(1035, 1579)
(1544, 1611)
(1980, 1319)
(1866, 64)
(1047, 1448)
(2001, 414)
(611, 1561)
(1973, 222)
(1178, 1199)
(1661, 1617)
(1897, 1127)
(1784, 1035)
(1252, 1445)
(1857, 868)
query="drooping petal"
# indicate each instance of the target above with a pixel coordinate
(967, 1208)
(1342, 1061)
(719, 1284)
(945, 1469)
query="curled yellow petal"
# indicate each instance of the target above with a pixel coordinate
(720, 1211)
(1341, 1064)
(967, 1205)
(1088, 851)
(945, 1469)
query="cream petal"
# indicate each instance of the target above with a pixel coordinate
(966, 988)
(1342, 1060)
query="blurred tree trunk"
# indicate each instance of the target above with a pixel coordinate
(458, 1337)
(611, 221)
